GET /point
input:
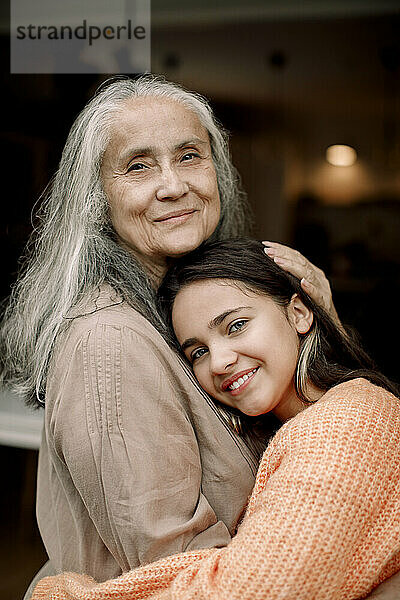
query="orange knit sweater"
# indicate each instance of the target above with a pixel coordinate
(323, 521)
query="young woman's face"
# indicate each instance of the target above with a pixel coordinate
(243, 346)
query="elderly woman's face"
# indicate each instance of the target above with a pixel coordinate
(160, 180)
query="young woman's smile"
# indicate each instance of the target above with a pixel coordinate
(236, 384)
(242, 345)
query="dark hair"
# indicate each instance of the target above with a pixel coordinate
(327, 354)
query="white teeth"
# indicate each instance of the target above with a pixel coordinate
(236, 384)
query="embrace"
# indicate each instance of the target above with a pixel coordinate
(211, 431)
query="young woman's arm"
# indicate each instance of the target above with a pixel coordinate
(323, 520)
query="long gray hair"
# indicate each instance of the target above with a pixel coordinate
(74, 249)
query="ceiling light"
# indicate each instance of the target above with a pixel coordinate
(340, 155)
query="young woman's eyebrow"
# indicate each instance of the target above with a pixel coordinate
(220, 318)
(212, 324)
(189, 342)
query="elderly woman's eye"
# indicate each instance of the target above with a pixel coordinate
(196, 354)
(190, 155)
(136, 167)
(237, 325)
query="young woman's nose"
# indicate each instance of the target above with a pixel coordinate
(172, 185)
(221, 359)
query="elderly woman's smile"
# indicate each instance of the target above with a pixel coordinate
(160, 180)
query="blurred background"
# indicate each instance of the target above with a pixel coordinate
(288, 80)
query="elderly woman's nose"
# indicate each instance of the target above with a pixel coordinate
(171, 184)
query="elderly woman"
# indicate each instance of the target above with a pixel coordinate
(136, 462)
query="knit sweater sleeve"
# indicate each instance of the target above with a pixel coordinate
(323, 520)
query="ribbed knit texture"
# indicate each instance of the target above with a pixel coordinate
(323, 521)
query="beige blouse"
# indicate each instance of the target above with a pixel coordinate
(136, 462)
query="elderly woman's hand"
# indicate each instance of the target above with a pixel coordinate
(313, 280)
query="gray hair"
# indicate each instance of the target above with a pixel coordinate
(74, 249)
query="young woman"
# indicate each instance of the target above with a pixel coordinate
(323, 520)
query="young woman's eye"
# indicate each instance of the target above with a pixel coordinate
(196, 354)
(237, 326)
